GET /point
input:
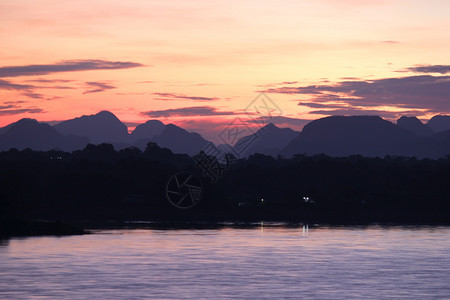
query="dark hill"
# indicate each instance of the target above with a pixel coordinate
(99, 128)
(268, 140)
(177, 140)
(439, 123)
(147, 130)
(29, 133)
(415, 126)
(364, 135)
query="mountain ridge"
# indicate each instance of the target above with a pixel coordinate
(29, 133)
(415, 126)
(101, 127)
(335, 136)
(268, 140)
(364, 135)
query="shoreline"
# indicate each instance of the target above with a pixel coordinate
(21, 228)
(26, 228)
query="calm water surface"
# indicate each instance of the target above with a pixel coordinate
(272, 262)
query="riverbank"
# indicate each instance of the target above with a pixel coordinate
(18, 227)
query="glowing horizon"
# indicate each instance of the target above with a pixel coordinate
(61, 60)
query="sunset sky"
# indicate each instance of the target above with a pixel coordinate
(198, 64)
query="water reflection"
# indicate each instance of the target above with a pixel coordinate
(262, 261)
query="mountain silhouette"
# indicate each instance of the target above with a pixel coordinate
(7, 127)
(439, 123)
(146, 131)
(334, 136)
(268, 140)
(177, 140)
(364, 135)
(415, 126)
(103, 127)
(29, 133)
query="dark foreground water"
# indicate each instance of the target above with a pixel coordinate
(272, 262)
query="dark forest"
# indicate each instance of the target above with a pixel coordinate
(99, 184)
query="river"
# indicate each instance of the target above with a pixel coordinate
(265, 261)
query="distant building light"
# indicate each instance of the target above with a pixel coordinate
(307, 199)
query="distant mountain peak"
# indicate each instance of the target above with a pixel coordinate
(411, 119)
(352, 118)
(106, 114)
(99, 128)
(172, 126)
(270, 126)
(407, 117)
(415, 126)
(26, 121)
(154, 122)
(363, 135)
(29, 133)
(439, 123)
(147, 130)
(440, 117)
(174, 129)
(180, 140)
(268, 140)
(23, 124)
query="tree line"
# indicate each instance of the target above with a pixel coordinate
(99, 183)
